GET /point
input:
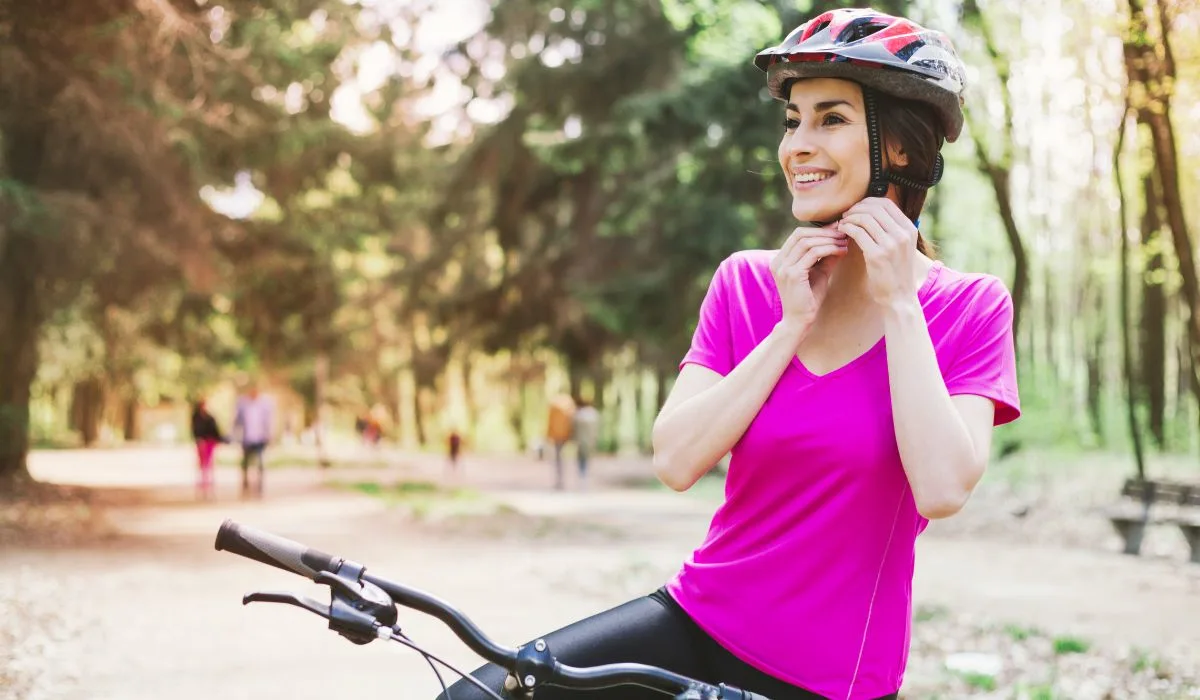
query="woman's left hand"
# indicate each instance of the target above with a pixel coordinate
(889, 244)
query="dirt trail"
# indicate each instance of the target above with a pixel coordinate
(156, 612)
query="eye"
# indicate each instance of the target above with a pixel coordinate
(791, 124)
(832, 119)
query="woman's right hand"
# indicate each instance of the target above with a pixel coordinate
(801, 270)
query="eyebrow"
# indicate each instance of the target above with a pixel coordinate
(822, 106)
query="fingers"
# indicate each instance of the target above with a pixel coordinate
(806, 238)
(890, 209)
(817, 253)
(820, 246)
(882, 219)
(784, 250)
(856, 230)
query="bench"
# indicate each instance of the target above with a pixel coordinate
(1178, 503)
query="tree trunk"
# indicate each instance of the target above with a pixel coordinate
(320, 381)
(999, 177)
(1095, 325)
(466, 368)
(1051, 338)
(87, 409)
(660, 388)
(574, 380)
(517, 379)
(601, 379)
(1152, 337)
(1151, 77)
(419, 415)
(999, 169)
(19, 325)
(1135, 431)
(129, 416)
(516, 415)
(643, 411)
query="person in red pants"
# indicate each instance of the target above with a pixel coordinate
(207, 435)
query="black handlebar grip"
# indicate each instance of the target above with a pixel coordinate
(274, 550)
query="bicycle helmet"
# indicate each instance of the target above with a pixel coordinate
(880, 52)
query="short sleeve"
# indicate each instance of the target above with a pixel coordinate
(712, 342)
(985, 364)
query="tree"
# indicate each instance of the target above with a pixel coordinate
(998, 167)
(1150, 65)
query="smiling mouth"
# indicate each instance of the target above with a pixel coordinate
(806, 180)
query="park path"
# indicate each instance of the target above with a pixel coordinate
(155, 613)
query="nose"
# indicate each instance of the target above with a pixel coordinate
(799, 142)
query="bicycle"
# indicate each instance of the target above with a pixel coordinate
(362, 608)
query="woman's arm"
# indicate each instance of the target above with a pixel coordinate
(706, 414)
(944, 440)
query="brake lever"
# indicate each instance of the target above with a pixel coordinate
(290, 598)
(358, 609)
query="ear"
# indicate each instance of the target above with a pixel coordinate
(897, 156)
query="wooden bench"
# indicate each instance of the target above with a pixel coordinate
(1182, 509)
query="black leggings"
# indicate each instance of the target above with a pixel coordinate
(651, 630)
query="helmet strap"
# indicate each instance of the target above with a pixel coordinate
(879, 180)
(879, 177)
(939, 166)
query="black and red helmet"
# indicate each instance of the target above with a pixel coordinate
(890, 54)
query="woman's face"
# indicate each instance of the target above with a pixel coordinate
(825, 152)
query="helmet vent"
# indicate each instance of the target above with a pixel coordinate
(860, 29)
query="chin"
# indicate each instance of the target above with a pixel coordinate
(807, 213)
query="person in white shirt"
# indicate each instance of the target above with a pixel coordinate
(254, 425)
(585, 428)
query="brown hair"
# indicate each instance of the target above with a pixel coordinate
(914, 128)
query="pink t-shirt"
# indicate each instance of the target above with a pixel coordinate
(806, 572)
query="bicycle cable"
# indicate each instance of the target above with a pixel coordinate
(433, 667)
(430, 658)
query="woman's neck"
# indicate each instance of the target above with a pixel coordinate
(848, 281)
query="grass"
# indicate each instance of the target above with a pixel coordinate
(1070, 645)
(1020, 634)
(277, 456)
(423, 498)
(979, 681)
(929, 613)
(1037, 692)
(1144, 661)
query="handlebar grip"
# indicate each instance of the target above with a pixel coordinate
(274, 550)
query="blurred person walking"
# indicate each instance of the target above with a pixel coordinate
(255, 425)
(207, 435)
(558, 431)
(585, 429)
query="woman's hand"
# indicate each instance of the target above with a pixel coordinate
(888, 241)
(801, 271)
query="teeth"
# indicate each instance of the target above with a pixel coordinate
(812, 177)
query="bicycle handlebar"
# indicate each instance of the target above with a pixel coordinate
(534, 659)
(277, 551)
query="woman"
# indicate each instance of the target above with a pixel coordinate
(207, 435)
(854, 379)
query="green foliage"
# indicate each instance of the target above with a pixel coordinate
(980, 681)
(1020, 634)
(1070, 645)
(625, 149)
(1038, 692)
